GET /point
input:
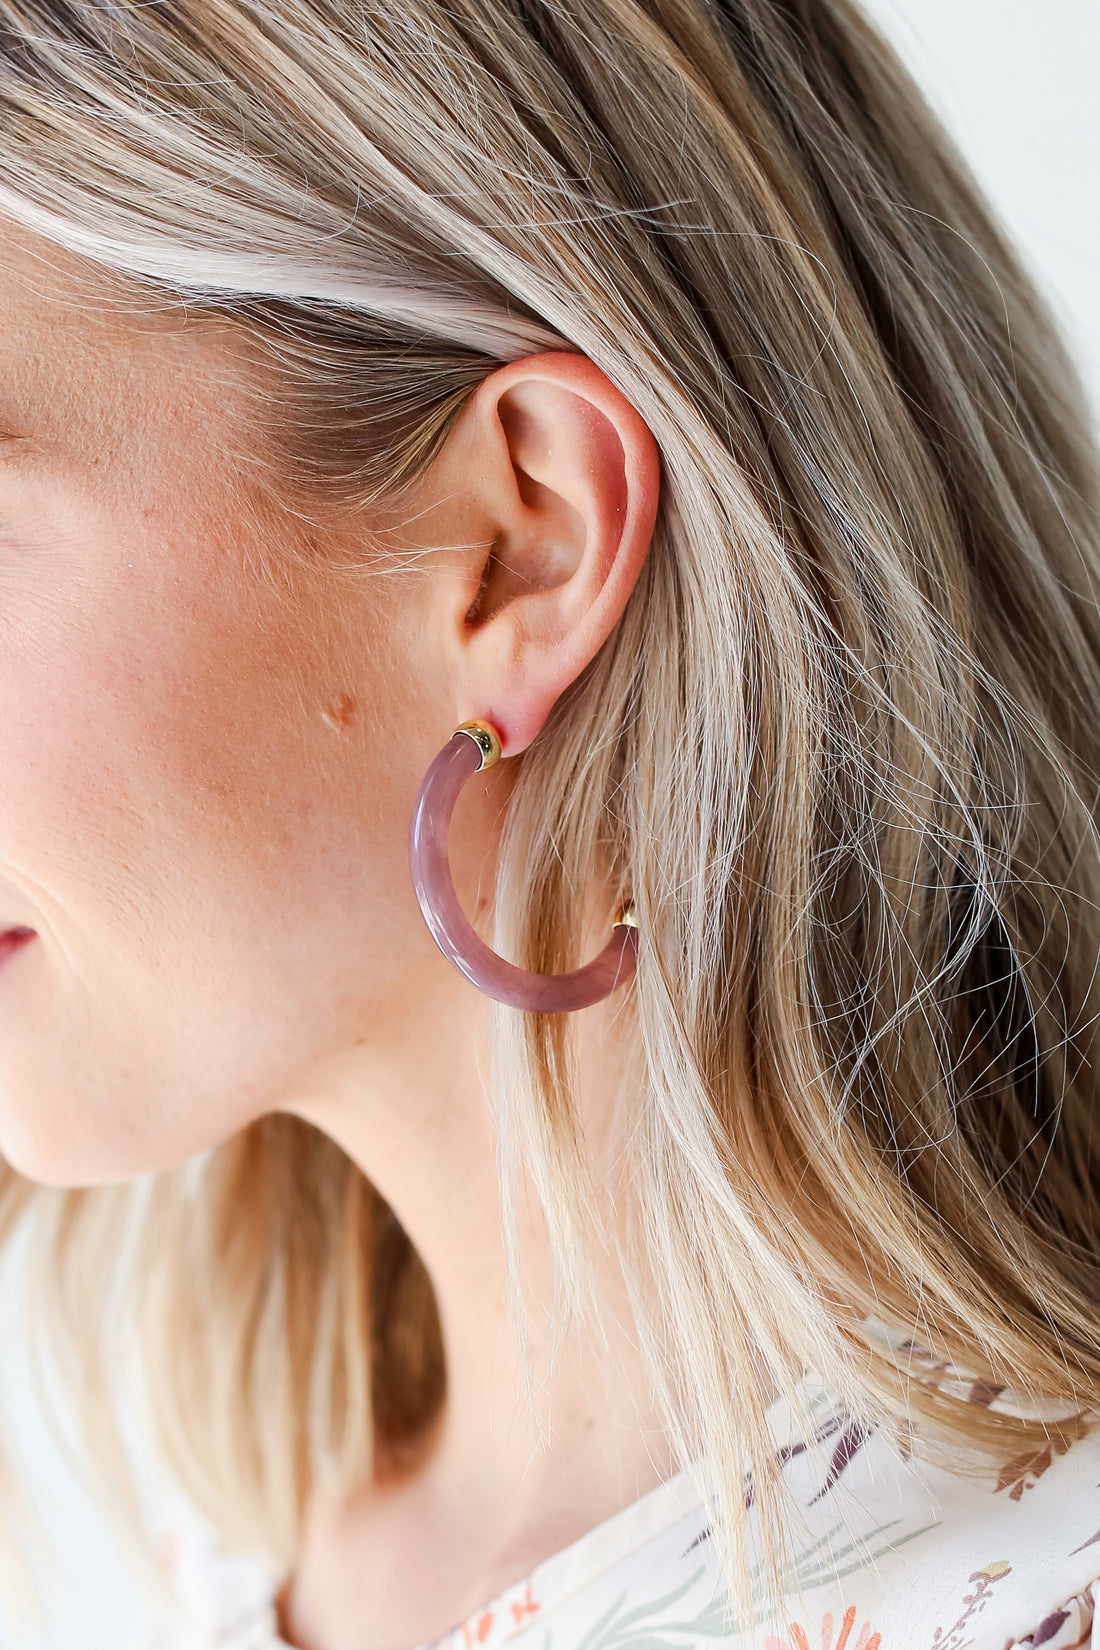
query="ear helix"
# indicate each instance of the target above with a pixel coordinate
(472, 747)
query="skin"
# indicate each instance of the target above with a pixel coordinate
(210, 746)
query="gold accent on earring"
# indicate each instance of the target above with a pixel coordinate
(627, 917)
(487, 740)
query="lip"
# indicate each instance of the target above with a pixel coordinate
(13, 940)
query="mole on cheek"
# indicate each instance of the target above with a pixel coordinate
(339, 713)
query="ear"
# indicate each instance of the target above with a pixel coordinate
(552, 478)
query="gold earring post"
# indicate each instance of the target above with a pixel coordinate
(487, 740)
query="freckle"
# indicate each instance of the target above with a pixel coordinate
(339, 713)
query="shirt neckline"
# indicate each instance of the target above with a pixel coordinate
(572, 1568)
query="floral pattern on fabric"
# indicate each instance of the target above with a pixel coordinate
(1023, 1472)
(1070, 1628)
(799, 1638)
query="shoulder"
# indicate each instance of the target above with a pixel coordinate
(885, 1554)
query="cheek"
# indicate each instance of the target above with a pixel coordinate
(140, 735)
(197, 825)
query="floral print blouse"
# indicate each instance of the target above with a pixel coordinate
(887, 1554)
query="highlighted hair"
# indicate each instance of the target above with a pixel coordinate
(847, 730)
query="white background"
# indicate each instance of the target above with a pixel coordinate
(1017, 83)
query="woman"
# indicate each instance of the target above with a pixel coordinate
(643, 381)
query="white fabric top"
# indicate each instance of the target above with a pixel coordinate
(887, 1555)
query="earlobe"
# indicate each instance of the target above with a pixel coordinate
(568, 473)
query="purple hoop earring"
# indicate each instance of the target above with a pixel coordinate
(472, 747)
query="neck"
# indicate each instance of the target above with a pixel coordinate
(541, 1437)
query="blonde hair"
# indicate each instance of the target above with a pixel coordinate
(847, 728)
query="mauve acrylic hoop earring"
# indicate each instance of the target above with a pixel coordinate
(473, 746)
